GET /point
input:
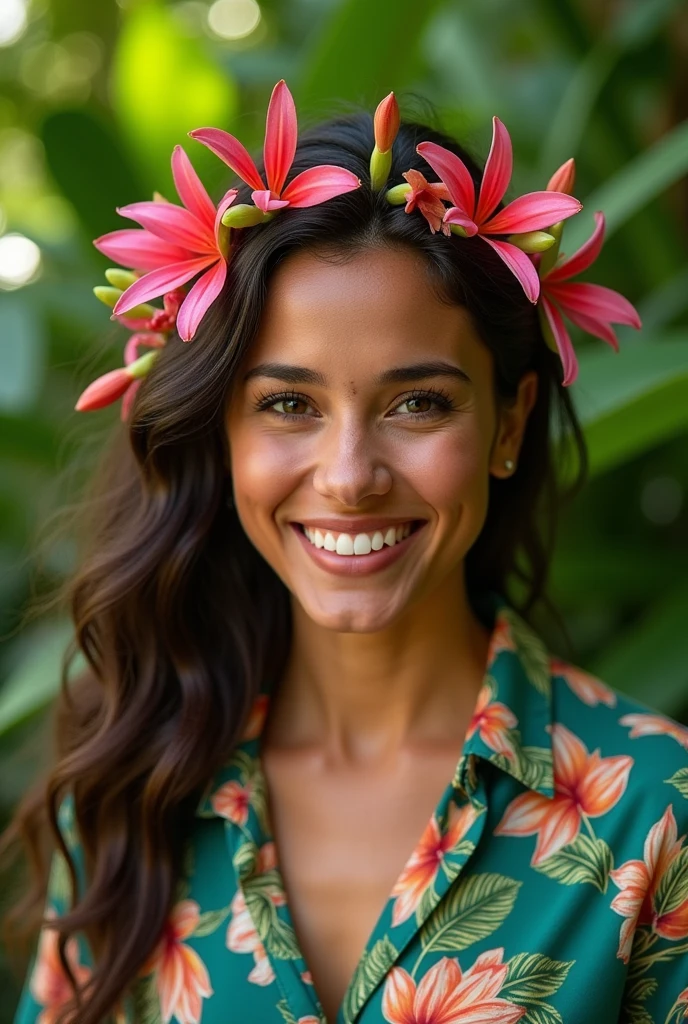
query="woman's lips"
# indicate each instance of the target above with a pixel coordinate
(357, 565)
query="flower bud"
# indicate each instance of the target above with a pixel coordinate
(111, 386)
(242, 216)
(107, 295)
(550, 257)
(380, 166)
(119, 278)
(532, 241)
(398, 194)
(457, 229)
(563, 179)
(386, 123)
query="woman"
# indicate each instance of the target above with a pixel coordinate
(323, 769)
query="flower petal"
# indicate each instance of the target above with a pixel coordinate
(524, 815)
(222, 233)
(104, 390)
(455, 215)
(520, 265)
(263, 198)
(234, 154)
(173, 224)
(140, 249)
(453, 172)
(560, 826)
(398, 997)
(570, 758)
(532, 211)
(595, 301)
(190, 188)
(604, 784)
(497, 172)
(563, 340)
(151, 285)
(280, 136)
(583, 257)
(318, 184)
(201, 296)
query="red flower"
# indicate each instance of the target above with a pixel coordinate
(427, 196)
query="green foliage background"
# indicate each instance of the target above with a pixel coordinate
(94, 96)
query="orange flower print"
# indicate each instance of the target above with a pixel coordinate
(493, 720)
(683, 998)
(256, 718)
(242, 936)
(586, 687)
(49, 984)
(424, 863)
(584, 784)
(638, 881)
(501, 640)
(232, 801)
(181, 976)
(655, 725)
(448, 995)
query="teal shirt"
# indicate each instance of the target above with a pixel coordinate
(550, 884)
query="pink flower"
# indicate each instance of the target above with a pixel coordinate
(427, 196)
(591, 306)
(175, 244)
(530, 212)
(386, 123)
(309, 188)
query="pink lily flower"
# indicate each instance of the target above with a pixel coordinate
(591, 306)
(530, 212)
(174, 244)
(313, 186)
(124, 381)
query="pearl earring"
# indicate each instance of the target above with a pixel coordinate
(509, 464)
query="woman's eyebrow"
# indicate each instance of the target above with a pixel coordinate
(291, 374)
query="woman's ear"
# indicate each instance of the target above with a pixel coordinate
(511, 427)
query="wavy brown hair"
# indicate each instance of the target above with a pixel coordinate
(180, 618)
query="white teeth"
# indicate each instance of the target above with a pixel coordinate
(361, 543)
(345, 545)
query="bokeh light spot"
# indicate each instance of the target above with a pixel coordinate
(234, 19)
(13, 21)
(20, 261)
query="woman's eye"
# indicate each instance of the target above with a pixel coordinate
(290, 406)
(418, 405)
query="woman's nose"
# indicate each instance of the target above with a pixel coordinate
(350, 465)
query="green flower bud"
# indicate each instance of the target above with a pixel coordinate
(141, 366)
(242, 216)
(380, 166)
(119, 278)
(552, 254)
(457, 229)
(532, 241)
(107, 295)
(398, 194)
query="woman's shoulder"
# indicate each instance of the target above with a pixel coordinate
(622, 731)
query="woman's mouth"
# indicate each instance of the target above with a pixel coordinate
(344, 553)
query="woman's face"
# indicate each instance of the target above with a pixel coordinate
(365, 404)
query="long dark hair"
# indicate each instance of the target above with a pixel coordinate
(180, 618)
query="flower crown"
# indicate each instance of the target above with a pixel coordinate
(175, 244)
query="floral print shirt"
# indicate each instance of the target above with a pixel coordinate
(549, 886)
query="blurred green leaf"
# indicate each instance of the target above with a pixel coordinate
(88, 162)
(21, 351)
(36, 679)
(365, 51)
(164, 84)
(649, 661)
(630, 401)
(631, 188)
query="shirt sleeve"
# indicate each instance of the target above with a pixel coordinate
(656, 990)
(46, 986)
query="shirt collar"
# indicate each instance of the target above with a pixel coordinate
(511, 724)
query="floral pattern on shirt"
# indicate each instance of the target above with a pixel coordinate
(587, 923)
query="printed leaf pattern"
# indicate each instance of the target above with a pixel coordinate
(474, 909)
(583, 860)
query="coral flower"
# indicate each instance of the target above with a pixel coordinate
(427, 196)
(49, 984)
(309, 188)
(422, 866)
(181, 976)
(242, 936)
(232, 801)
(655, 725)
(448, 995)
(174, 244)
(591, 306)
(529, 212)
(586, 687)
(584, 784)
(493, 720)
(639, 881)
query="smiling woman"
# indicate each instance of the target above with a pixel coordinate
(301, 781)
